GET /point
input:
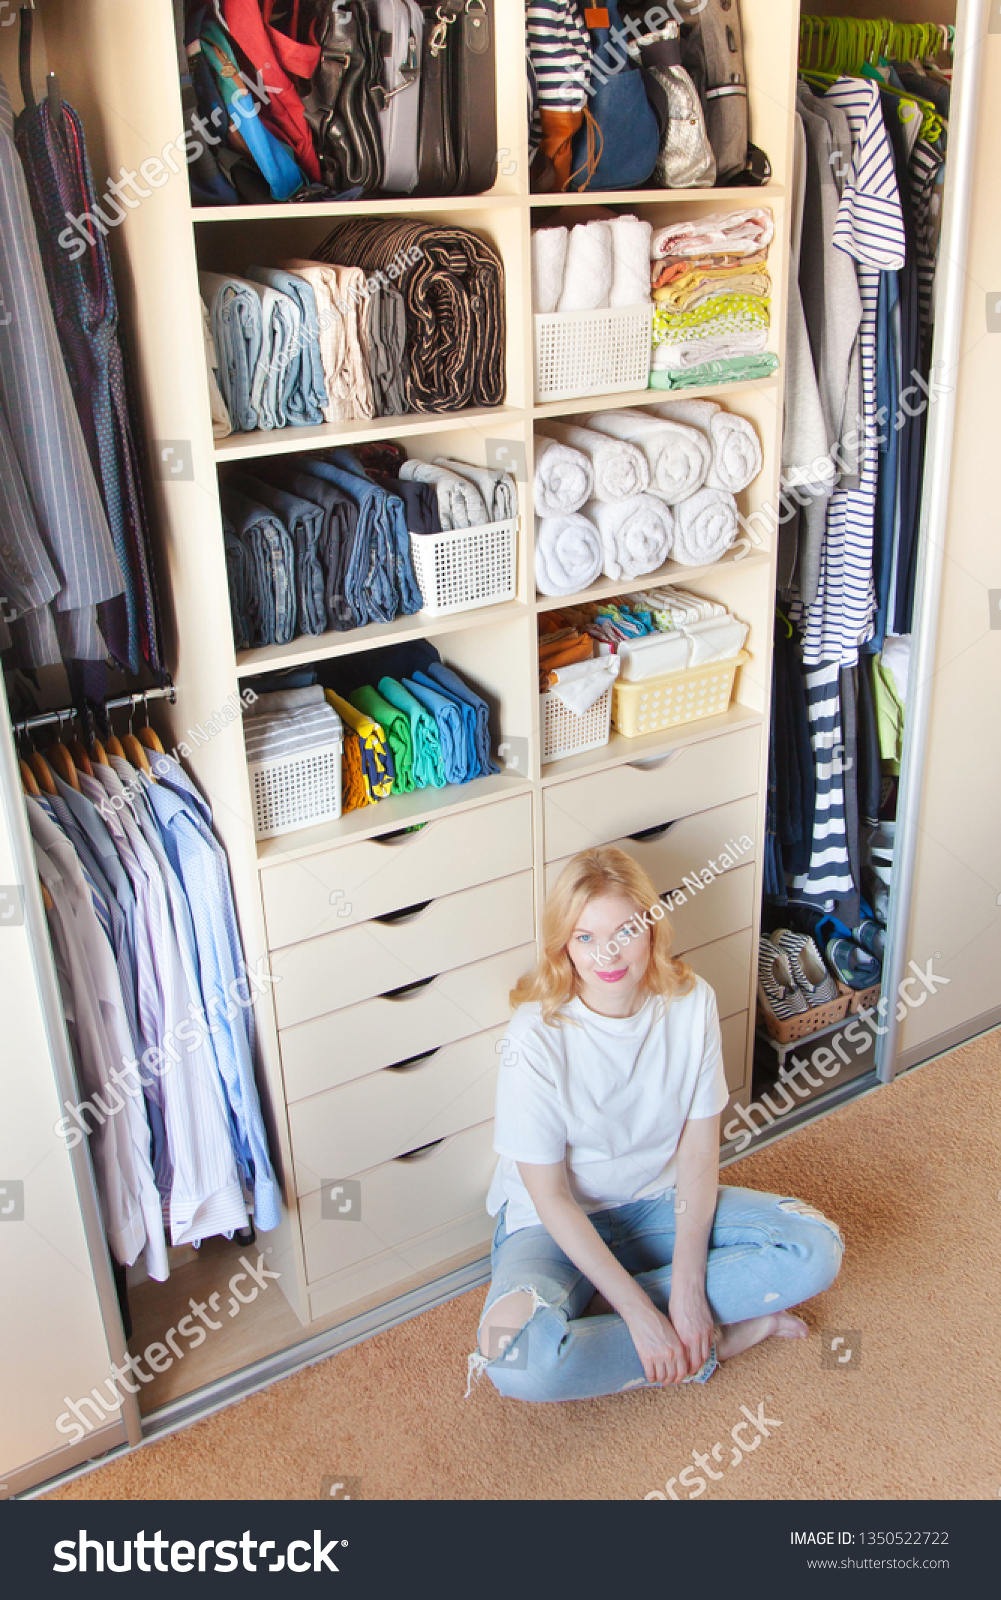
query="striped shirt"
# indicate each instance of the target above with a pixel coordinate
(829, 877)
(559, 48)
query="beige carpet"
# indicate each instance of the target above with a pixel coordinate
(913, 1176)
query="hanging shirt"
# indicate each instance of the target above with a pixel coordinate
(830, 876)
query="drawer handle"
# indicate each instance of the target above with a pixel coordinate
(424, 1152)
(646, 834)
(401, 835)
(413, 1061)
(409, 991)
(656, 762)
(406, 915)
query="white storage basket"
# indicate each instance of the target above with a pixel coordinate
(467, 567)
(299, 791)
(566, 734)
(592, 352)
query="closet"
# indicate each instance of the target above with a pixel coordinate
(391, 952)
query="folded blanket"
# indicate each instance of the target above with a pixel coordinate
(679, 356)
(428, 766)
(564, 478)
(245, 623)
(391, 516)
(280, 701)
(304, 522)
(378, 770)
(654, 655)
(452, 284)
(736, 448)
(679, 457)
(458, 756)
(549, 264)
(582, 686)
(355, 792)
(587, 280)
(637, 535)
(396, 726)
(452, 684)
(738, 233)
(715, 641)
(727, 369)
(568, 554)
(498, 488)
(222, 427)
(460, 503)
(237, 331)
(306, 394)
(332, 336)
(271, 568)
(621, 470)
(705, 527)
(287, 733)
(630, 262)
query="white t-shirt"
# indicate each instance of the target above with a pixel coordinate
(611, 1096)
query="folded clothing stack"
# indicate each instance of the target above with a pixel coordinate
(289, 722)
(664, 630)
(712, 297)
(466, 496)
(592, 267)
(452, 284)
(571, 665)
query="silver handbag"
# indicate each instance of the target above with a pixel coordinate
(686, 157)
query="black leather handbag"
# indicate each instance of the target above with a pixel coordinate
(457, 142)
(342, 105)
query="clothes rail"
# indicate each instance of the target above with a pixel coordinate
(143, 698)
(846, 44)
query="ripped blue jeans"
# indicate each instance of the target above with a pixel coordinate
(767, 1252)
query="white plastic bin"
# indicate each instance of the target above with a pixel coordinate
(566, 734)
(592, 352)
(467, 567)
(299, 791)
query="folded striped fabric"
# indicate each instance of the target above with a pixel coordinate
(288, 733)
(377, 762)
(559, 48)
(396, 725)
(428, 768)
(452, 284)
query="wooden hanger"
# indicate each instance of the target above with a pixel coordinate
(98, 752)
(46, 898)
(80, 756)
(151, 739)
(114, 748)
(40, 768)
(135, 753)
(28, 779)
(61, 761)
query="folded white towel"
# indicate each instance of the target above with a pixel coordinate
(679, 457)
(587, 283)
(499, 490)
(620, 469)
(736, 448)
(582, 685)
(460, 503)
(705, 527)
(637, 534)
(684, 354)
(653, 655)
(716, 640)
(567, 554)
(549, 261)
(735, 233)
(564, 478)
(630, 262)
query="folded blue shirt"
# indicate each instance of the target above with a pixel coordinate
(450, 681)
(459, 757)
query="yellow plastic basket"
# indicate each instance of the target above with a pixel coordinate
(674, 698)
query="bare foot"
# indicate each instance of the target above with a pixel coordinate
(740, 1336)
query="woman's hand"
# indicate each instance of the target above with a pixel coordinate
(657, 1344)
(692, 1321)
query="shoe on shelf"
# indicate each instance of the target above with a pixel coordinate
(870, 933)
(810, 975)
(777, 983)
(854, 965)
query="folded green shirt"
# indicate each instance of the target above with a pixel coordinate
(396, 726)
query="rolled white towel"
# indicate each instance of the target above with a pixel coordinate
(736, 448)
(705, 526)
(630, 262)
(567, 554)
(460, 503)
(679, 457)
(637, 534)
(549, 261)
(587, 283)
(564, 478)
(621, 470)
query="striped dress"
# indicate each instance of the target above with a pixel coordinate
(830, 874)
(870, 228)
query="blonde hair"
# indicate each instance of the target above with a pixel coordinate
(554, 979)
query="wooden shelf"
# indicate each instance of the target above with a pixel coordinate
(367, 206)
(721, 199)
(619, 750)
(578, 404)
(292, 441)
(326, 646)
(671, 572)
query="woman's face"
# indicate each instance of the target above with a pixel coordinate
(610, 978)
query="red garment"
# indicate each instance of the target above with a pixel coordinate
(270, 51)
